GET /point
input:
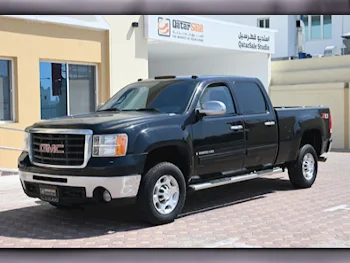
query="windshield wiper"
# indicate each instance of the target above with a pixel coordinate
(142, 109)
(147, 109)
(111, 109)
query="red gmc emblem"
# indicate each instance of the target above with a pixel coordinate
(54, 148)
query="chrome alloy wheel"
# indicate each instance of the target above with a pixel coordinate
(166, 194)
(308, 166)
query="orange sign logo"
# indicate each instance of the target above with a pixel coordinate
(164, 27)
(197, 27)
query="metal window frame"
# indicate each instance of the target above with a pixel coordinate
(96, 88)
(12, 90)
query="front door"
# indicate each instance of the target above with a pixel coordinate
(218, 141)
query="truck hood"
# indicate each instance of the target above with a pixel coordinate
(102, 121)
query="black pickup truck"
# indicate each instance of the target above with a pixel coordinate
(157, 139)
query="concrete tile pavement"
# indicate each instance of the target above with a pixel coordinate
(265, 212)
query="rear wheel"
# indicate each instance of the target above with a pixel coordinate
(162, 194)
(302, 173)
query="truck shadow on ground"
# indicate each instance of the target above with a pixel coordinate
(45, 222)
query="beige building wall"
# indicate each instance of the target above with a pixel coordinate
(314, 82)
(26, 43)
(330, 95)
(128, 50)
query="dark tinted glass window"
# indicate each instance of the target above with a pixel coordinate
(53, 90)
(218, 92)
(62, 95)
(5, 91)
(164, 96)
(261, 23)
(249, 98)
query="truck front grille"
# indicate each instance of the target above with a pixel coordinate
(70, 153)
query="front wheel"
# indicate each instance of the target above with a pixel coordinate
(302, 173)
(162, 194)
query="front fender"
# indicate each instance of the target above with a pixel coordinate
(151, 138)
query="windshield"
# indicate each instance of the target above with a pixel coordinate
(171, 96)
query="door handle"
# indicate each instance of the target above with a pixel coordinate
(236, 127)
(269, 123)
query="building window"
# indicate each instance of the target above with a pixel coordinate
(327, 26)
(264, 22)
(6, 96)
(317, 26)
(82, 84)
(66, 89)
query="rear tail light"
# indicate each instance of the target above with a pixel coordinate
(328, 116)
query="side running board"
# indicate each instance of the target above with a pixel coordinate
(233, 179)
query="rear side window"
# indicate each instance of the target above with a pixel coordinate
(250, 99)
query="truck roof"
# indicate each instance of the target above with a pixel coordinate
(202, 77)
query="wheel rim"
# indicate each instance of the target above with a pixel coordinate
(166, 194)
(308, 166)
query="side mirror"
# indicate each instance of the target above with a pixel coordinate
(213, 108)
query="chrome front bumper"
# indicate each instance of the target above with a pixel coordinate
(118, 187)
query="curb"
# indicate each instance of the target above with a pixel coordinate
(7, 172)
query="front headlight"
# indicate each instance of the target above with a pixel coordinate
(110, 145)
(26, 142)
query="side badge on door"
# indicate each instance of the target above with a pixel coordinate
(205, 152)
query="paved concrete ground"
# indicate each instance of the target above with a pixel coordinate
(264, 212)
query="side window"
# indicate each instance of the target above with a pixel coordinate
(250, 98)
(218, 92)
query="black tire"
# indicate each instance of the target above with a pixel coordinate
(147, 209)
(295, 170)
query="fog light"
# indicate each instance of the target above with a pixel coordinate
(107, 196)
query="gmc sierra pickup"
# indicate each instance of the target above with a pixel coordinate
(155, 140)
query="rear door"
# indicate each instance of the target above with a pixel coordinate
(261, 131)
(218, 141)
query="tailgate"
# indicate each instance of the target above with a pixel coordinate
(327, 118)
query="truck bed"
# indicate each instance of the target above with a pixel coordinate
(292, 121)
(298, 107)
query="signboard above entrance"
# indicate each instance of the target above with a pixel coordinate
(180, 29)
(195, 30)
